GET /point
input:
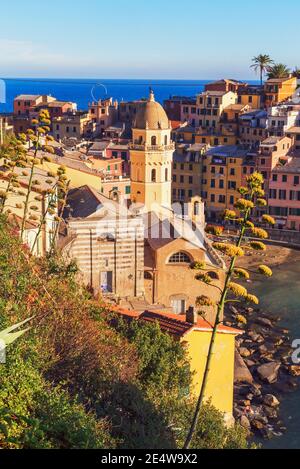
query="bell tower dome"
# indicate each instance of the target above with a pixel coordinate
(151, 155)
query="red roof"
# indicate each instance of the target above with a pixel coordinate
(174, 324)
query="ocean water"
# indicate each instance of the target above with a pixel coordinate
(279, 296)
(83, 91)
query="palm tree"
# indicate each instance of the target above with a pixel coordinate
(296, 72)
(261, 63)
(278, 71)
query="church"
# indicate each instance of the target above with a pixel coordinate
(151, 268)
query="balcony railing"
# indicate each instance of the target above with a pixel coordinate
(144, 147)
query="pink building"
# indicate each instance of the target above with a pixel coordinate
(284, 195)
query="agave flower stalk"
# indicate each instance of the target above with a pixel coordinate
(42, 128)
(245, 205)
(62, 208)
(52, 200)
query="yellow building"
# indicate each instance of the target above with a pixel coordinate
(211, 105)
(223, 175)
(72, 127)
(278, 90)
(187, 171)
(195, 334)
(151, 156)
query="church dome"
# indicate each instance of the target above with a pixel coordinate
(151, 116)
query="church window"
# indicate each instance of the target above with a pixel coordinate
(166, 140)
(153, 140)
(153, 175)
(166, 174)
(179, 258)
(213, 275)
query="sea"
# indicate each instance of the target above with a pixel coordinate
(279, 296)
(83, 91)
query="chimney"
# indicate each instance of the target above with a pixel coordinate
(191, 315)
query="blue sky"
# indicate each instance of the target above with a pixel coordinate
(193, 39)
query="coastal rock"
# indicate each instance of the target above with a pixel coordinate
(268, 372)
(241, 371)
(257, 425)
(264, 322)
(244, 422)
(294, 370)
(244, 352)
(256, 337)
(233, 309)
(270, 412)
(270, 400)
(250, 363)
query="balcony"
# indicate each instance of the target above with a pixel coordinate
(144, 147)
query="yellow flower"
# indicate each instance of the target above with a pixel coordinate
(258, 246)
(34, 121)
(204, 278)
(51, 174)
(255, 180)
(41, 130)
(249, 224)
(241, 319)
(241, 273)
(261, 202)
(268, 219)
(252, 299)
(259, 233)
(265, 270)
(229, 214)
(48, 149)
(237, 290)
(198, 265)
(244, 204)
(215, 230)
(228, 249)
(243, 190)
(259, 192)
(204, 301)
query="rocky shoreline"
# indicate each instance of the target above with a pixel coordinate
(264, 371)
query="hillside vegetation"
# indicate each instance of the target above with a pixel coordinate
(81, 378)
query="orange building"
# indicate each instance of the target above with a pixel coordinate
(278, 90)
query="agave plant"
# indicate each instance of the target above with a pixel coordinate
(8, 336)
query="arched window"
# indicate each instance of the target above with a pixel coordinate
(148, 276)
(153, 141)
(153, 175)
(179, 258)
(213, 275)
(166, 174)
(166, 140)
(196, 208)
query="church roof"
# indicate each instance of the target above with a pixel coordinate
(151, 115)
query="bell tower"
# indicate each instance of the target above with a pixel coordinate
(151, 155)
